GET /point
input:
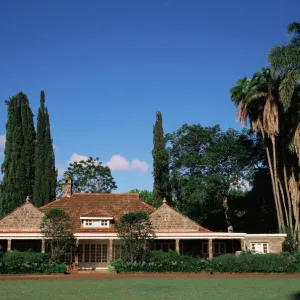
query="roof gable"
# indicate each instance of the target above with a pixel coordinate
(167, 219)
(26, 218)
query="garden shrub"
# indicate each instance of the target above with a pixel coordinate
(247, 262)
(58, 268)
(17, 262)
(159, 261)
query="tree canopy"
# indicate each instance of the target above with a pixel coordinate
(18, 164)
(56, 228)
(161, 183)
(206, 164)
(135, 233)
(44, 190)
(90, 176)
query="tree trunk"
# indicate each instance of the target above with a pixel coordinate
(288, 194)
(226, 212)
(276, 183)
(272, 177)
(284, 206)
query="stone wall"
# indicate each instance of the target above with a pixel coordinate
(25, 217)
(275, 243)
(167, 219)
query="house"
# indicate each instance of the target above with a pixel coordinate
(93, 217)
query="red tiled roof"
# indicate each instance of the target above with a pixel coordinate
(97, 212)
(114, 204)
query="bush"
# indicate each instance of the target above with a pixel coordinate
(159, 261)
(59, 268)
(29, 263)
(247, 262)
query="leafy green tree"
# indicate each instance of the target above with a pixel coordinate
(18, 164)
(135, 233)
(146, 196)
(89, 176)
(56, 228)
(161, 187)
(206, 164)
(254, 211)
(44, 190)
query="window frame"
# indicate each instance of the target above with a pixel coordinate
(263, 244)
(96, 223)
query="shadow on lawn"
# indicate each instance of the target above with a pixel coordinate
(295, 296)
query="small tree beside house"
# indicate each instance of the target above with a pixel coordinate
(135, 233)
(56, 228)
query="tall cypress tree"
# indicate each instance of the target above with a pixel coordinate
(161, 187)
(18, 164)
(45, 173)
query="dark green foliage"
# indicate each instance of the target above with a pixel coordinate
(18, 165)
(44, 190)
(254, 211)
(159, 261)
(56, 228)
(161, 186)
(29, 263)
(206, 166)
(146, 196)
(135, 233)
(247, 263)
(57, 268)
(89, 176)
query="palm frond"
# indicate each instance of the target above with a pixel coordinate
(287, 88)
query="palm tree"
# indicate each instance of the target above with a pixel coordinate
(255, 99)
(285, 60)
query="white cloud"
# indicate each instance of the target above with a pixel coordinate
(77, 157)
(120, 163)
(139, 165)
(2, 141)
(117, 163)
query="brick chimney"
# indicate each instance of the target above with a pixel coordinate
(66, 186)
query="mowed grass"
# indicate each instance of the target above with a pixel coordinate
(153, 288)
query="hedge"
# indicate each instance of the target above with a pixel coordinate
(159, 261)
(28, 263)
(245, 263)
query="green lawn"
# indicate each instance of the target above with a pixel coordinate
(153, 288)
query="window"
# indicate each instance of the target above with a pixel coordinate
(219, 248)
(260, 247)
(96, 223)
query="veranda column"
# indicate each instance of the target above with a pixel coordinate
(76, 256)
(243, 244)
(210, 249)
(110, 250)
(177, 246)
(43, 246)
(9, 245)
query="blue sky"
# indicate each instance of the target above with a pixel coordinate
(108, 66)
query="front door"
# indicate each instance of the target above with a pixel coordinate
(92, 255)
